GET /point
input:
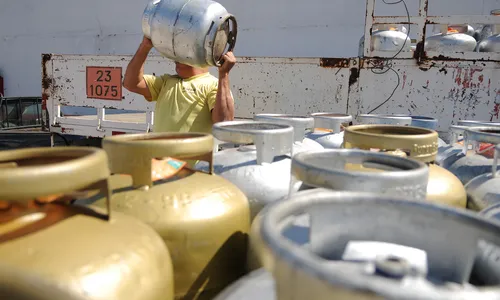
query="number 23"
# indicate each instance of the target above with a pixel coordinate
(100, 74)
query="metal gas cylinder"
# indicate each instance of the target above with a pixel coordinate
(402, 119)
(484, 190)
(343, 170)
(450, 153)
(492, 42)
(491, 212)
(203, 218)
(402, 248)
(329, 129)
(258, 284)
(387, 38)
(370, 119)
(424, 122)
(429, 123)
(417, 143)
(467, 29)
(260, 167)
(471, 123)
(50, 249)
(470, 162)
(301, 127)
(192, 32)
(453, 39)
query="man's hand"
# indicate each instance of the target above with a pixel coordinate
(229, 62)
(147, 43)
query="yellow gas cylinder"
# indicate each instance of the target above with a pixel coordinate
(203, 218)
(50, 249)
(418, 143)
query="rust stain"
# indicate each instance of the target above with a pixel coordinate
(496, 111)
(354, 76)
(46, 85)
(46, 80)
(466, 78)
(458, 78)
(334, 63)
(427, 85)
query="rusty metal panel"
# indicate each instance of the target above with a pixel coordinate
(68, 77)
(447, 90)
(290, 85)
(259, 84)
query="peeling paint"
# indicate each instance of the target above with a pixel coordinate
(447, 90)
(334, 62)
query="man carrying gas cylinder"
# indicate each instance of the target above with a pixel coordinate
(190, 101)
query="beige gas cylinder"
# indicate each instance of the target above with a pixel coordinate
(417, 143)
(203, 218)
(52, 250)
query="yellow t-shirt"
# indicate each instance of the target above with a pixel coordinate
(183, 105)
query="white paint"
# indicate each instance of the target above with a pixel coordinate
(448, 91)
(281, 28)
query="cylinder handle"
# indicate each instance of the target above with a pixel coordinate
(421, 143)
(40, 172)
(490, 135)
(471, 123)
(385, 119)
(270, 139)
(132, 154)
(332, 226)
(424, 122)
(331, 121)
(326, 169)
(211, 40)
(301, 125)
(494, 168)
(455, 131)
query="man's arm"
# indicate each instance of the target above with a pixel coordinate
(134, 75)
(224, 104)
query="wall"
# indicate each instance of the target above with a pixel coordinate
(283, 28)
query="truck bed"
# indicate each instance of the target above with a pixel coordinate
(128, 118)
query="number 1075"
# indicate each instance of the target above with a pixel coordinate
(106, 90)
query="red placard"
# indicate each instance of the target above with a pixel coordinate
(104, 83)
